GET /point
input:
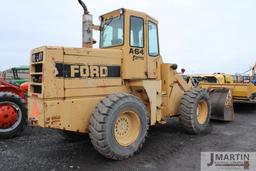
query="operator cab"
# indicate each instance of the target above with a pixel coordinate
(136, 34)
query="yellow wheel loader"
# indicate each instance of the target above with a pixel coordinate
(223, 87)
(241, 92)
(116, 92)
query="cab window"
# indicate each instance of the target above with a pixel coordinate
(112, 32)
(153, 39)
(136, 32)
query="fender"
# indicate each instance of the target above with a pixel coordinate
(7, 87)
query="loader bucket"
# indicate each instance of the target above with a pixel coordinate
(222, 104)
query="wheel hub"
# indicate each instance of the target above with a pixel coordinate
(122, 126)
(8, 116)
(127, 128)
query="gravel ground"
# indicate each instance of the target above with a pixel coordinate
(167, 147)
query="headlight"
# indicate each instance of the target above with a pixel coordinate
(121, 11)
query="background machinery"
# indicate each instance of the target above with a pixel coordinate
(16, 75)
(253, 77)
(219, 78)
(242, 91)
(13, 108)
(116, 92)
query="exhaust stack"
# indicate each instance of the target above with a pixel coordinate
(87, 27)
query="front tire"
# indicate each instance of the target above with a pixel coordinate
(118, 126)
(195, 110)
(13, 115)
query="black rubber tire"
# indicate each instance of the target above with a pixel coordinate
(102, 125)
(188, 111)
(11, 97)
(73, 136)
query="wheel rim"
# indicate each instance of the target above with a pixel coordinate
(10, 116)
(202, 112)
(127, 128)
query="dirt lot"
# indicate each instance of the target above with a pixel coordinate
(167, 147)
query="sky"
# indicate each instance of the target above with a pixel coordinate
(202, 36)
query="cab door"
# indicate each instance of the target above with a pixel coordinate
(153, 53)
(135, 66)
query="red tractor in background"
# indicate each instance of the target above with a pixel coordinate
(13, 108)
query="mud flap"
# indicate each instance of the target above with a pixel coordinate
(222, 104)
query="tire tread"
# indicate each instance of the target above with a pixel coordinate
(98, 122)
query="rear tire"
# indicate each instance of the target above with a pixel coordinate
(13, 100)
(118, 126)
(195, 110)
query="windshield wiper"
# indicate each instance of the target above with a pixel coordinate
(107, 23)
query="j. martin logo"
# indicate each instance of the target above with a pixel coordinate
(216, 161)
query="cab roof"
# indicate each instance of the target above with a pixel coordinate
(136, 13)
